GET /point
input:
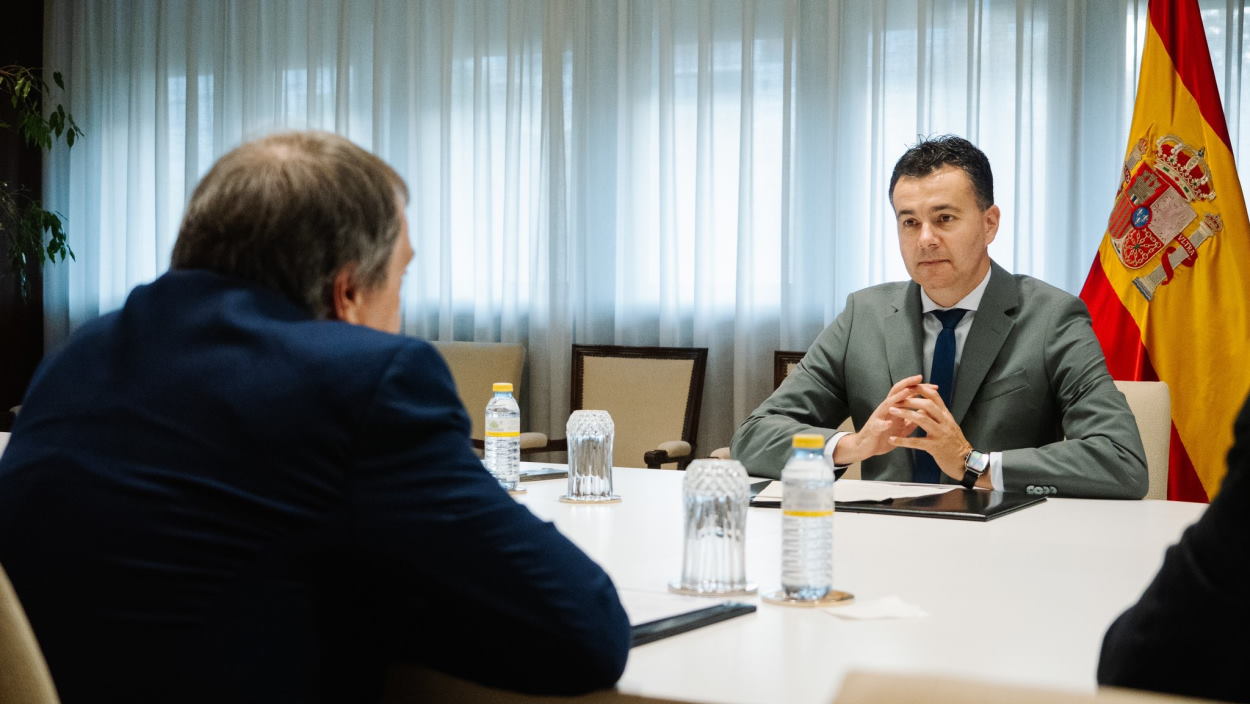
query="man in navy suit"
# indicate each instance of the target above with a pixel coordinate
(1190, 631)
(245, 486)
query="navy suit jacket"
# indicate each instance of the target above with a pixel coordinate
(211, 496)
(1190, 632)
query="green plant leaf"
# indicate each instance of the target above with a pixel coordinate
(32, 235)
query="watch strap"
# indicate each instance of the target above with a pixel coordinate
(970, 478)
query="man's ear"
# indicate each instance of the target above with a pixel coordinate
(346, 295)
(992, 214)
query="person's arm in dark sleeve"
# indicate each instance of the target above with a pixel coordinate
(1190, 631)
(481, 588)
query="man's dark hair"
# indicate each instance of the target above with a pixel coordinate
(931, 154)
(290, 211)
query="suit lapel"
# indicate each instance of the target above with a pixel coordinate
(990, 328)
(904, 335)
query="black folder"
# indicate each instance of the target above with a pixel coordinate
(960, 504)
(652, 631)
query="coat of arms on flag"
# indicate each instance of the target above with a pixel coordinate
(1155, 210)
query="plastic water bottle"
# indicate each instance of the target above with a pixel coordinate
(807, 521)
(503, 436)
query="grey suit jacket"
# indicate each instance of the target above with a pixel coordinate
(1031, 374)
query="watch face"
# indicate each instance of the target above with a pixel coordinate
(977, 461)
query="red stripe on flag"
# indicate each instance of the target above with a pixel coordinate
(1183, 482)
(1127, 358)
(1179, 24)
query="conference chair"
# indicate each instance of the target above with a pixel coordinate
(24, 677)
(866, 687)
(474, 367)
(784, 362)
(1151, 403)
(653, 394)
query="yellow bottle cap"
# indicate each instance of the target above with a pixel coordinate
(501, 386)
(809, 442)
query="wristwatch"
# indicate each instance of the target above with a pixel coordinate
(975, 464)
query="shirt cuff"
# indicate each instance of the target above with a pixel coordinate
(996, 471)
(832, 444)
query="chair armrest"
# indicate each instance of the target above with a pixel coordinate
(668, 451)
(530, 442)
(557, 445)
(533, 441)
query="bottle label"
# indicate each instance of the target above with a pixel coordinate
(503, 427)
(807, 514)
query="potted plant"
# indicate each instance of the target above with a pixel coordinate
(23, 220)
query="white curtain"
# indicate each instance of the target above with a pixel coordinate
(672, 172)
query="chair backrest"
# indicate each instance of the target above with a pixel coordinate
(1151, 403)
(784, 362)
(653, 394)
(24, 677)
(477, 365)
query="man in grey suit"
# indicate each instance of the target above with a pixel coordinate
(966, 373)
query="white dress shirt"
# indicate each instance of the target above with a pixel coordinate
(933, 326)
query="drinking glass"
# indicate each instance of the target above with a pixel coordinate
(715, 494)
(590, 435)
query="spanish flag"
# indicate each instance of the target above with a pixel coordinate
(1169, 291)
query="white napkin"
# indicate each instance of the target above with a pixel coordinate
(885, 607)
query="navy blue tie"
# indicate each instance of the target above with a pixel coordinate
(942, 374)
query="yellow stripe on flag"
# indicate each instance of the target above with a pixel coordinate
(1195, 326)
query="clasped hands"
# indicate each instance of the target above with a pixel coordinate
(910, 404)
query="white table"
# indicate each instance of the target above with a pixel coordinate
(1024, 598)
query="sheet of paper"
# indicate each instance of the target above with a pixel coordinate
(862, 490)
(644, 607)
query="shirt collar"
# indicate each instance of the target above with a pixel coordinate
(971, 302)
